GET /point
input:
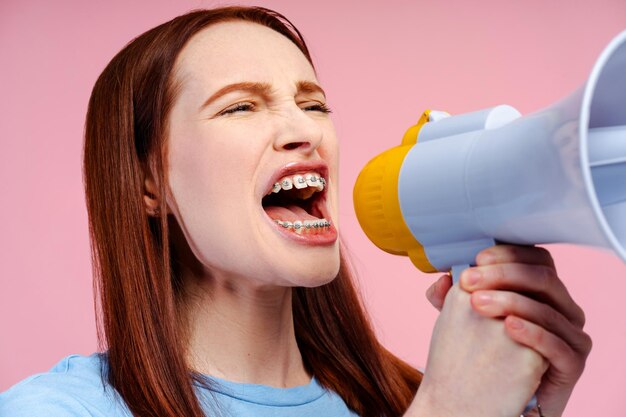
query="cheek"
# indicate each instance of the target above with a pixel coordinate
(210, 163)
(329, 148)
(329, 151)
(200, 177)
(209, 183)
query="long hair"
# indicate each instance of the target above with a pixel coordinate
(136, 286)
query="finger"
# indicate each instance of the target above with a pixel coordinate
(505, 303)
(515, 254)
(564, 361)
(436, 293)
(538, 281)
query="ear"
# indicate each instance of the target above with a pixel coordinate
(151, 196)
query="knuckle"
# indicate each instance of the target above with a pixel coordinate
(544, 257)
(539, 336)
(581, 318)
(586, 344)
(545, 278)
(552, 317)
(562, 349)
(542, 250)
(510, 303)
(545, 253)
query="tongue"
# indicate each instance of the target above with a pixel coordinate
(289, 213)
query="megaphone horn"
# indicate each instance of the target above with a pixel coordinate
(457, 184)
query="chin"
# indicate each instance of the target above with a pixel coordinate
(317, 281)
(311, 276)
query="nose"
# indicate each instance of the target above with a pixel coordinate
(298, 131)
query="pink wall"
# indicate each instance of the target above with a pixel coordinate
(382, 64)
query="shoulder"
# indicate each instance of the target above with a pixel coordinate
(76, 386)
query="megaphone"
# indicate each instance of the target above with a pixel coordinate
(459, 184)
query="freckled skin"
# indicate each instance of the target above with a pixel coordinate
(219, 163)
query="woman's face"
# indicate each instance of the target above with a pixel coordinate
(250, 118)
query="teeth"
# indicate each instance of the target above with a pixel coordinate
(321, 183)
(314, 181)
(300, 181)
(286, 184)
(311, 180)
(299, 226)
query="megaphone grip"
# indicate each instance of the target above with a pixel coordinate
(456, 272)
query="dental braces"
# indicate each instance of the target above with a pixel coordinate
(301, 181)
(307, 224)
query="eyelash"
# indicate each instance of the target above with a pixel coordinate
(321, 107)
(240, 107)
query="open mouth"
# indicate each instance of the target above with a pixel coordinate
(297, 205)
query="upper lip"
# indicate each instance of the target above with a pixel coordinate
(293, 168)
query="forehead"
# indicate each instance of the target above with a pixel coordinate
(238, 51)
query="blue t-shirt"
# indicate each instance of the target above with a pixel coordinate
(75, 387)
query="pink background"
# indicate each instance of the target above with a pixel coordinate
(382, 63)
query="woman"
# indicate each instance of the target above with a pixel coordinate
(210, 172)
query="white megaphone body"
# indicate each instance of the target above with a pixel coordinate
(458, 184)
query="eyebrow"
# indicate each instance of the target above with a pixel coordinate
(309, 87)
(262, 89)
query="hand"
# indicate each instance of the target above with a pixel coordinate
(474, 368)
(520, 285)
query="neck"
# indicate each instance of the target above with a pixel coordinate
(241, 333)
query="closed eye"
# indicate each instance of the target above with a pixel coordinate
(237, 108)
(319, 107)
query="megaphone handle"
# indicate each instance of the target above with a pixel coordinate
(456, 272)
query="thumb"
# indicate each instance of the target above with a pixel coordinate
(436, 293)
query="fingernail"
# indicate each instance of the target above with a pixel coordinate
(485, 258)
(515, 323)
(483, 299)
(430, 291)
(471, 278)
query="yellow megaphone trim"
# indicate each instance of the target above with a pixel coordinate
(377, 204)
(411, 134)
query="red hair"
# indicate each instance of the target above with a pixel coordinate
(137, 288)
